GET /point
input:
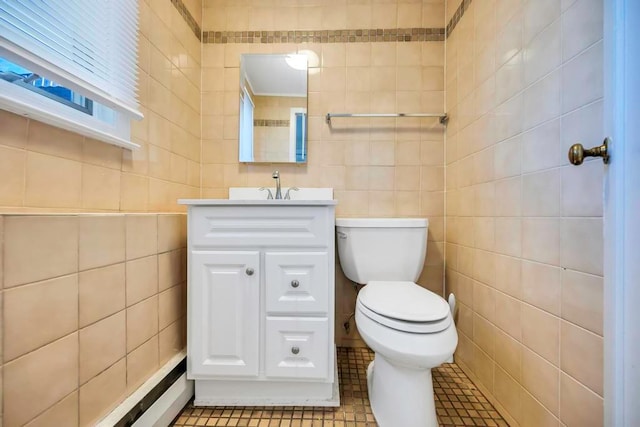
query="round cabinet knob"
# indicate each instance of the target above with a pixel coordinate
(249, 271)
(295, 350)
(295, 283)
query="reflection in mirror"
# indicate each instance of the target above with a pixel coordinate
(273, 108)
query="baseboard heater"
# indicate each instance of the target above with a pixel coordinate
(158, 401)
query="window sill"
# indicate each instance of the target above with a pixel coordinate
(34, 106)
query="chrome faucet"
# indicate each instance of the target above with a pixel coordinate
(276, 176)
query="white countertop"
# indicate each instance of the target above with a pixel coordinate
(270, 202)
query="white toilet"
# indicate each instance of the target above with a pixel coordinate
(409, 328)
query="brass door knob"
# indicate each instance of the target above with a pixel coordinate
(577, 153)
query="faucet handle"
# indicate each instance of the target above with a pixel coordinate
(287, 196)
(269, 193)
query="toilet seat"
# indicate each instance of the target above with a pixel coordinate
(404, 306)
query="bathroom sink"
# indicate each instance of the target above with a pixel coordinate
(254, 193)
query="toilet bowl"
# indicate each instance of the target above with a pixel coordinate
(409, 328)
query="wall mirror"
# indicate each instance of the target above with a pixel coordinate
(273, 108)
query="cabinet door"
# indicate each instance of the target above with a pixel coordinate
(297, 347)
(297, 282)
(224, 295)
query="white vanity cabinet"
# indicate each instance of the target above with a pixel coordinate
(261, 302)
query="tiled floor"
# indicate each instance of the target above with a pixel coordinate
(458, 403)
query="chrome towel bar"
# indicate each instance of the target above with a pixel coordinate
(443, 117)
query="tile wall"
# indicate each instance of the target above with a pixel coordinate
(523, 81)
(524, 228)
(271, 120)
(93, 305)
(48, 169)
(378, 167)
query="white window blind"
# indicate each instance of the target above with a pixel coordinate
(87, 46)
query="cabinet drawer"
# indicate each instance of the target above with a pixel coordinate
(297, 347)
(228, 226)
(297, 282)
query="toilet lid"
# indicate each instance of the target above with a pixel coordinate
(403, 325)
(404, 301)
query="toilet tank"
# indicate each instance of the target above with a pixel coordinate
(372, 249)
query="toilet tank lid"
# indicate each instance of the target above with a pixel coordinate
(382, 222)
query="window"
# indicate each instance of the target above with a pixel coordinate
(297, 135)
(246, 126)
(13, 73)
(71, 64)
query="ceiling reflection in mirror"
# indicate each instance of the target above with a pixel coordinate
(273, 108)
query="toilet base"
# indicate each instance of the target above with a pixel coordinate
(400, 396)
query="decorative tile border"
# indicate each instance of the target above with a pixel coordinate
(323, 36)
(188, 18)
(457, 16)
(326, 36)
(271, 123)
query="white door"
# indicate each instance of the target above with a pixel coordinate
(224, 310)
(622, 214)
